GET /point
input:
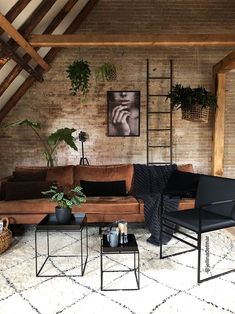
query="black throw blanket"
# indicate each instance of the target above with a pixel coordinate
(149, 183)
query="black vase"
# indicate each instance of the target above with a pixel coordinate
(63, 215)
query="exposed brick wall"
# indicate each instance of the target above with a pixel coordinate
(50, 102)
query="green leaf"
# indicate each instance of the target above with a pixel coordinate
(65, 135)
(35, 125)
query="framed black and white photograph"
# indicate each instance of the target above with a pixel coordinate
(123, 113)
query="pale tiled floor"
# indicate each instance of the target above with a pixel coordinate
(166, 285)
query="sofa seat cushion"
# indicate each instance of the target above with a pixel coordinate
(27, 206)
(109, 205)
(104, 204)
(104, 173)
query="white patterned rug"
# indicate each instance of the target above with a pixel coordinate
(166, 286)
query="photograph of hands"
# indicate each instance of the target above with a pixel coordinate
(123, 113)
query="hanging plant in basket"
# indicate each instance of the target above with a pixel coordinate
(79, 73)
(106, 72)
(195, 103)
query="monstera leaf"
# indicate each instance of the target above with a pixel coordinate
(50, 144)
(65, 135)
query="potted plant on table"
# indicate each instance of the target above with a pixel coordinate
(65, 200)
(194, 102)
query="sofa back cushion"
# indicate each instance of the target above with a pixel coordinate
(103, 188)
(104, 174)
(61, 175)
(185, 168)
(25, 190)
(29, 174)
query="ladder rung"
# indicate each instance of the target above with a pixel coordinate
(159, 77)
(159, 130)
(159, 163)
(158, 95)
(160, 112)
(153, 146)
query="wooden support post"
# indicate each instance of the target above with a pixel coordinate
(7, 48)
(218, 132)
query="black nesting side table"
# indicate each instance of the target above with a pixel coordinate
(49, 224)
(130, 248)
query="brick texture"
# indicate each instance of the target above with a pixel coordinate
(51, 104)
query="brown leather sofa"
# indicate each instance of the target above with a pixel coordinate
(98, 209)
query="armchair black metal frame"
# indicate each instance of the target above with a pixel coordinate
(214, 210)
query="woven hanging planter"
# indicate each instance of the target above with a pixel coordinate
(5, 236)
(196, 114)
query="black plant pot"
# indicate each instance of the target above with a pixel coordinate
(63, 215)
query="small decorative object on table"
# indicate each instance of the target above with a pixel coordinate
(65, 201)
(113, 237)
(5, 236)
(122, 225)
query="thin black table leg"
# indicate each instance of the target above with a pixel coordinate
(199, 258)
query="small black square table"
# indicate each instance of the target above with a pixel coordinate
(130, 248)
(49, 224)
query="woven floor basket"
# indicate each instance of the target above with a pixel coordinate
(5, 236)
(196, 114)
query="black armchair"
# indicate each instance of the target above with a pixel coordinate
(214, 209)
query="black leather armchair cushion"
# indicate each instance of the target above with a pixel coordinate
(183, 184)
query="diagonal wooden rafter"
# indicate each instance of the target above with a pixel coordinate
(77, 40)
(15, 11)
(226, 64)
(4, 24)
(50, 28)
(20, 61)
(33, 20)
(48, 58)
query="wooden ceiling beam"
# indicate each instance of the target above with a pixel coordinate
(226, 64)
(12, 54)
(77, 40)
(22, 42)
(49, 57)
(50, 28)
(15, 11)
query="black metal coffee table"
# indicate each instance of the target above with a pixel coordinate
(48, 225)
(129, 248)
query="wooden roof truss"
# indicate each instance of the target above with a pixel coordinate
(18, 38)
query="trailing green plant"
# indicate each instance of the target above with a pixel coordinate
(79, 74)
(186, 97)
(106, 72)
(52, 142)
(66, 199)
